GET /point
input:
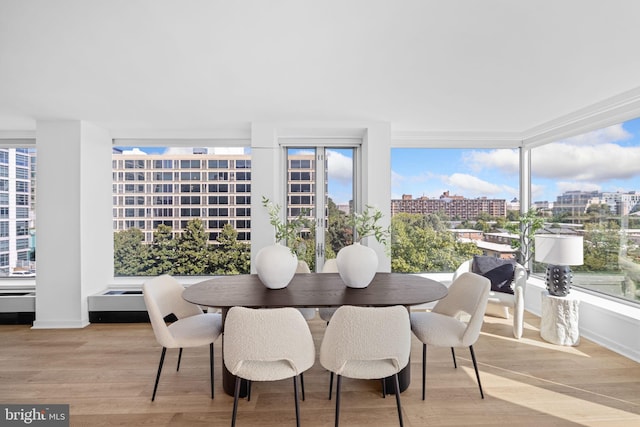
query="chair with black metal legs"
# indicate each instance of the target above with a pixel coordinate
(367, 343)
(443, 327)
(190, 328)
(267, 345)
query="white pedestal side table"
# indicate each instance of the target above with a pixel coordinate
(559, 319)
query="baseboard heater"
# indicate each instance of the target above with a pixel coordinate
(17, 307)
(117, 306)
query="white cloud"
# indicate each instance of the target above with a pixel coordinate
(598, 163)
(134, 151)
(340, 167)
(471, 186)
(601, 136)
(505, 160)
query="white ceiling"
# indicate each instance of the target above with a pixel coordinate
(421, 65)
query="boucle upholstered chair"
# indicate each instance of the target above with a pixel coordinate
(267, 345)
(500, 302)
(441, 327)
(163, 296)
(367, 343)
(330, 266)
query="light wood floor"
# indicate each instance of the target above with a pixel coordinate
(106, 373)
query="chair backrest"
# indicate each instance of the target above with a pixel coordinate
(330, 266)
(468, 294)
(302, 267)
(163, 296)
(269, 335)
(357, 335)
(519, 274)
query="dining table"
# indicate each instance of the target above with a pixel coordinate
(313, 290)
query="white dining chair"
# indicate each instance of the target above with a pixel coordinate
(442, 327)
(367, 343)
(267, 345)
(192, 328)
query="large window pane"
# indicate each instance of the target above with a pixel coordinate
(590, 185)
(195, 238)
(17, 198)
(449, 204)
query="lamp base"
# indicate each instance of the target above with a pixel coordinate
(559, 280)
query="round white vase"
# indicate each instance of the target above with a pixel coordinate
(357, 265)
(276, 265)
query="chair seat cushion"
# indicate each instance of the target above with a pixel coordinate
(368, 369)
(196, 330)
(502, 298)
(498, 271)
(263, 370)
(437, 329)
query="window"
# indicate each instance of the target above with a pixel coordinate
(218, 164)
(190, 176)
(596, 195)
(448, 204)
(219, 188)
(243, 176)
(218, 200)
(189, 164)
(205, 210)
(243, 188)
(218, 176)
(321, 180)
(189, 200)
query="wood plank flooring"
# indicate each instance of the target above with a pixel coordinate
(106, 373)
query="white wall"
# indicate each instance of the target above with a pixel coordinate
(73, 219)
(612, 324)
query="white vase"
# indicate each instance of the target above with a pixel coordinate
(276, 265)
(357, 265)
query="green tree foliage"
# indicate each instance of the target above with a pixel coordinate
(189, 254)
(339, 233)
(230, 256)
(194, 254)
(601, 247)
(130, 255)
(423, 244)
(162, 252)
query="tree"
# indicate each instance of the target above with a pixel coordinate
(423, 243)
(230, 256)
(162, 252)
(193, 255)
(601, 247)
(130, 255)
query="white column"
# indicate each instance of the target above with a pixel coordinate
(376, 181)
(73, 220)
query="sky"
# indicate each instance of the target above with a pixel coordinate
(603, 160)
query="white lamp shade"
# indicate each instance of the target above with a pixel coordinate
(559, 249)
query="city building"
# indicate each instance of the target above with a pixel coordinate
(171, 189)
(455, 207)
(16, 212)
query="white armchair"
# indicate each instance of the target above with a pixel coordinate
(500, 302)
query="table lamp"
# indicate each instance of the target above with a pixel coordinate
(559, 252)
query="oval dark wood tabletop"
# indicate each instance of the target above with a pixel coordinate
(314, 290)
